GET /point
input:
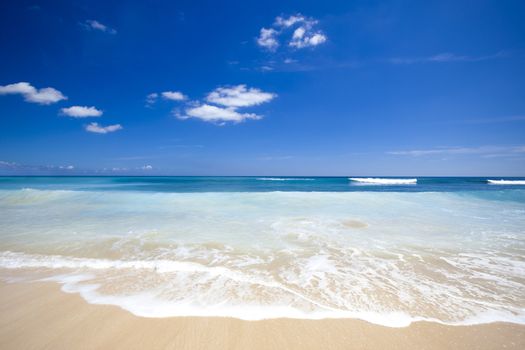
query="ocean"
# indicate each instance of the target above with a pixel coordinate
(386, 250)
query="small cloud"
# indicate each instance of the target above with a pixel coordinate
(81, 112)
(239, 96)
(289, 61)
(266, 68)
(99, 129)
(214, 114)
(146, 167)
(173, 95)
(290, 21)
(92, 24)
(300, 40)
(44, 96)
(66, 167)
(167, 95)
(304, 35)
(267, 39)
(151, 99)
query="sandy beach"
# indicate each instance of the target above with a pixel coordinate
(41, 316)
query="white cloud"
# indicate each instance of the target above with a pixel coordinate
(99, 129)
(300, 40)
(168, 95)
(173, 95)
(147, 167)
(239, 96)
(221, 105)
(298, 33)
(92, 24)
(304, 35)
(290, 21)
(81, 112)
(44, 96)
(151, 98)
(211, 113)
(267, 39)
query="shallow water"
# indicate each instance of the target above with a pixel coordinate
(169, 247)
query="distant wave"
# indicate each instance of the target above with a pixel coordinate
(284, 179)
(383, 181)
(506, 182)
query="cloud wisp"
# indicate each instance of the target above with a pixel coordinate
(14, 167)
(303, 30)
(43, 96)
(483, 151)
(446, 57)
(222, 105)
(81, 112)
(506, 119)
(151, 99)
(99, 129)
(92, 24)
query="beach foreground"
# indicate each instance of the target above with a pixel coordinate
(40, 316)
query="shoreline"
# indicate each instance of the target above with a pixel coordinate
(38, 315)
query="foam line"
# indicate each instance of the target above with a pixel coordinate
(383, 181)
(506, 182)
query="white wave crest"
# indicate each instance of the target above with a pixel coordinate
(383, 181)
(506, 182)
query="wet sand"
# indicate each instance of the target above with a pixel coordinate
(41, 316)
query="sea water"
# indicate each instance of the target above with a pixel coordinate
(448, 250)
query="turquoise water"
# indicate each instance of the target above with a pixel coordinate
(249, 184)
(447, 250)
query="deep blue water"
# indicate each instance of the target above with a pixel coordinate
(249, 184)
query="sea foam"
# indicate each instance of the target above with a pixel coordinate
(383, 181)
(506, 182)
(388, 258)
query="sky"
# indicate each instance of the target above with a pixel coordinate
(328, 88)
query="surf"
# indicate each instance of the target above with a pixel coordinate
(383, 181)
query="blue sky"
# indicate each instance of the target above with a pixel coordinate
(262, 88)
